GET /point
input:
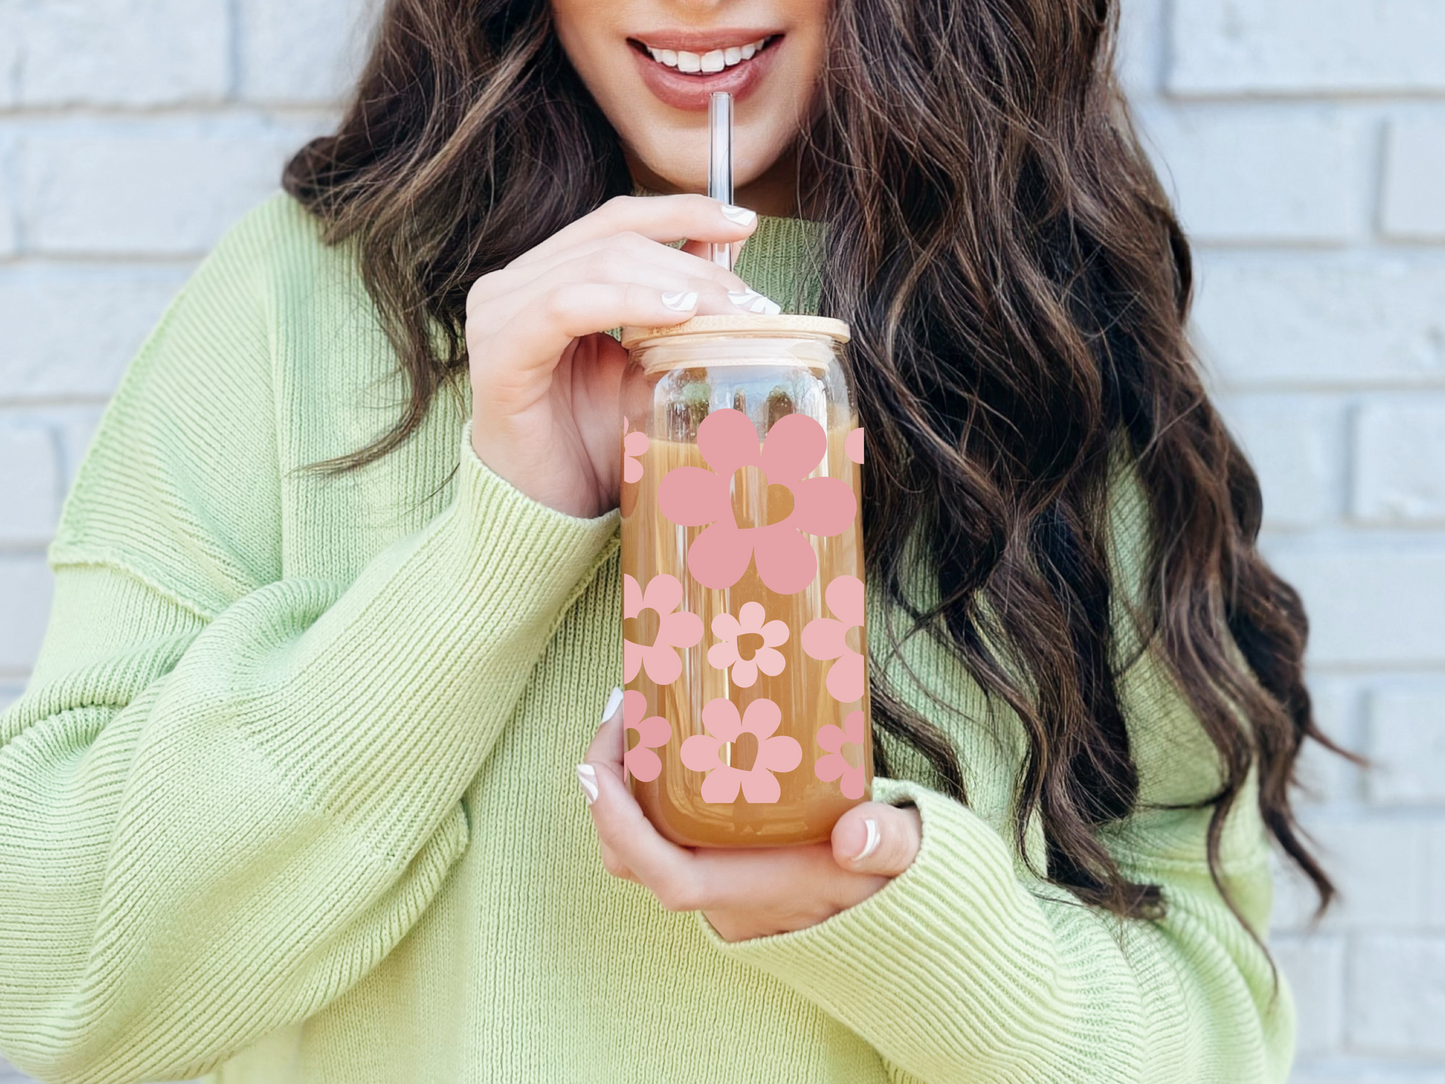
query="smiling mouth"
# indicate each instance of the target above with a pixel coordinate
(709, 63)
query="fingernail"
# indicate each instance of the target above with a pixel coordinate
(680, 302)
(752, 301)
(587, 776)
(613, 699)
(871, 843)
(741, 215)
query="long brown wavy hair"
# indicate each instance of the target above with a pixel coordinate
(1018, 288)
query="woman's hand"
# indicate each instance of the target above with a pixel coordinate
(545, 375)
(743, 893)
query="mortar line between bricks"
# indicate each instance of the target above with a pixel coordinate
(1306, 96)
(10, 403)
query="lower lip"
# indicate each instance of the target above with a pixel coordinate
(692, 92)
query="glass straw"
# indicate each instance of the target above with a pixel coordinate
(720, 164)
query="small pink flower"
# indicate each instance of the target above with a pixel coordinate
(653, 732)
(824, 638)
(634, 445)
(692, 496)
(853, 446)
(674, 630)
(835, 762)
(700, 752)
(749, 622)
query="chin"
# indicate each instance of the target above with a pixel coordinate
(683, 163)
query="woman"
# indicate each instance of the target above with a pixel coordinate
(291, 796)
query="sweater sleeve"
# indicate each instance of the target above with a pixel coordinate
(225, 798)
(966, 969)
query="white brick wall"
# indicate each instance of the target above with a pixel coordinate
(1305, 142)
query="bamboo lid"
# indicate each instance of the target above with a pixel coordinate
(740, 325)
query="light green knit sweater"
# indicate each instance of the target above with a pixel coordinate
(290, 797)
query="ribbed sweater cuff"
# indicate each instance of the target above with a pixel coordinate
(950, 971)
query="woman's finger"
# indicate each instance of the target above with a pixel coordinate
(600, 267)
(533, 337)
(624, 249)
(877, 838)
(624, 830)
(660, 218)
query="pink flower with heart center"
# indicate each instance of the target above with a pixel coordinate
(674, 630)
(634, 445)
(653, 732)
(729, 649)
(692, 496)
(843, 755)
(775, 752)
(825, 638)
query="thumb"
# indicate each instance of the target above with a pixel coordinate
(877, 838)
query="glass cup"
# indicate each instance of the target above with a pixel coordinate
(744, 654)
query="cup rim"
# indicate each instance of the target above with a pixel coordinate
(782, 325)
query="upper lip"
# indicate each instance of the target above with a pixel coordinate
(703, 41)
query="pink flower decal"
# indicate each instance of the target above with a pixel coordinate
(660, 659)
(692, 496)
(778, 753)
(824, 638)
(653, 732)
(634, 445)
(835, 762)
(728, 652)
(853, 446)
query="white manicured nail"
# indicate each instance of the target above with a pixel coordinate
(613, 699)
(587, 776)
(681, 302)
(752, 301)
(741, 215)
(871, 843)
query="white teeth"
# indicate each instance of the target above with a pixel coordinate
(708, 63)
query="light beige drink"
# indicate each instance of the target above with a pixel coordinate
(740, 731)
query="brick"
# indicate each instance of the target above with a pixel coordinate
(294, 52)
(9, 236)
(1411, 205)
(1296, 446)
(1304, 321)
(155, 186)
(1380, 866)
(25, 586)
(29, 483)
(1250, 175)
(10, 47)
(1375, 604)
(48, 352)
(1315, 969)
(1407, 745)
(1397, 995)
(1297, 46)
(1326, 778)
(1139, 60)
(76, 427)
(1399, 472)
(122, 52)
